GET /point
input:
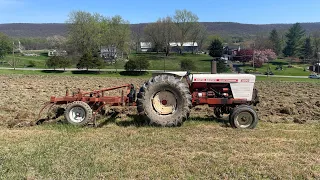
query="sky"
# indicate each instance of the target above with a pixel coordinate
(144, 11)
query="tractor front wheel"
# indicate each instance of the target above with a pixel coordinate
(78, 113)
(243, 117)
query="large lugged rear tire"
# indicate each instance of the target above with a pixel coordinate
(243, 117)
(78, 113)
(164, 101)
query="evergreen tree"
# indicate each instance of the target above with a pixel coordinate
(86, 61)
(294, 41)
(216, 48)
(275, 41)
(307, 49)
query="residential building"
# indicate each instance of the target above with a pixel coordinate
(108, 52)
(57, 53)
(145, 46)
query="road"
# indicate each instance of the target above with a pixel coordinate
(75, 69)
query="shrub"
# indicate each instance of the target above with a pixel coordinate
(131, 65)
(187, 65)
(221, 67)
(58, 62)
(137, 64)
(32, 64)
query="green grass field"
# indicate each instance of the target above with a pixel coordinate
(197, 150)
(296, 70)
(118, 74)
(172, 62)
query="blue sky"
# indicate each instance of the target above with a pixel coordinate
(139, 11)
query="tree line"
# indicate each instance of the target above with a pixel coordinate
(89, 32)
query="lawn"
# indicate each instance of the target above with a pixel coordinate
(172, 62)
(25, 61)
(157, 61)
(296, 70)
(121, 74)
(197, 150)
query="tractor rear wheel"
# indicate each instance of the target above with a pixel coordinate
(164, 101)
(78, 113)
(243, 117)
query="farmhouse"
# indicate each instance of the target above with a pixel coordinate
(145, 46)
(186, 46)
(57, 53)
(229, 52)
(108, 52)
(174, 46)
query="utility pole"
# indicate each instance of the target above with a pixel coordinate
(14, 61)
(318, 62)
(253, 54)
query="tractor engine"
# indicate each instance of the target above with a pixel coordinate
(211, 90)
(218, 90)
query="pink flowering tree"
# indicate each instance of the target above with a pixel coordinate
(263, 56)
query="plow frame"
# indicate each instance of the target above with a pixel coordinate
(95, 99)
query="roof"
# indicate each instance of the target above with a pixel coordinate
(185, 44)
(145, 45)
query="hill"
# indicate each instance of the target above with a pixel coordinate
(221, 28)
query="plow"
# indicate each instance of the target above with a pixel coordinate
(164, 100)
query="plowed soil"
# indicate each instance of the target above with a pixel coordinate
(22, 96)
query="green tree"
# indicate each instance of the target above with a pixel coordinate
(153, 33)
(53, 62)
(216, 49)
(294, 41)
(5, 45)
(316, 45)
(99, 63)
(307, 50)
(186, 22)
(84, 32)
(221, 67)
(187, 65)
(131, 65)
(116, 32)
(58, 62)
(142, 64)
(275, 41)
(137, 64)
(198, 34)
(86, 61)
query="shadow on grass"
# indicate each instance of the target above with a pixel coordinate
(220, 121)
(205, 60)
(140, 121)
(279, 63)
(133, 120)
(93, 72)
(136, 121)
(134, 73)
(52, 71)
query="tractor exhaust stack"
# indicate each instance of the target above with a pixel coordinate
(213, 67)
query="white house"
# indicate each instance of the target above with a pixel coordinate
(145, 46)
(186, 46)
(175, 46)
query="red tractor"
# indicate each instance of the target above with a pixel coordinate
(166, 99)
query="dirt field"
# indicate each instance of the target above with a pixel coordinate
(22, 96)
